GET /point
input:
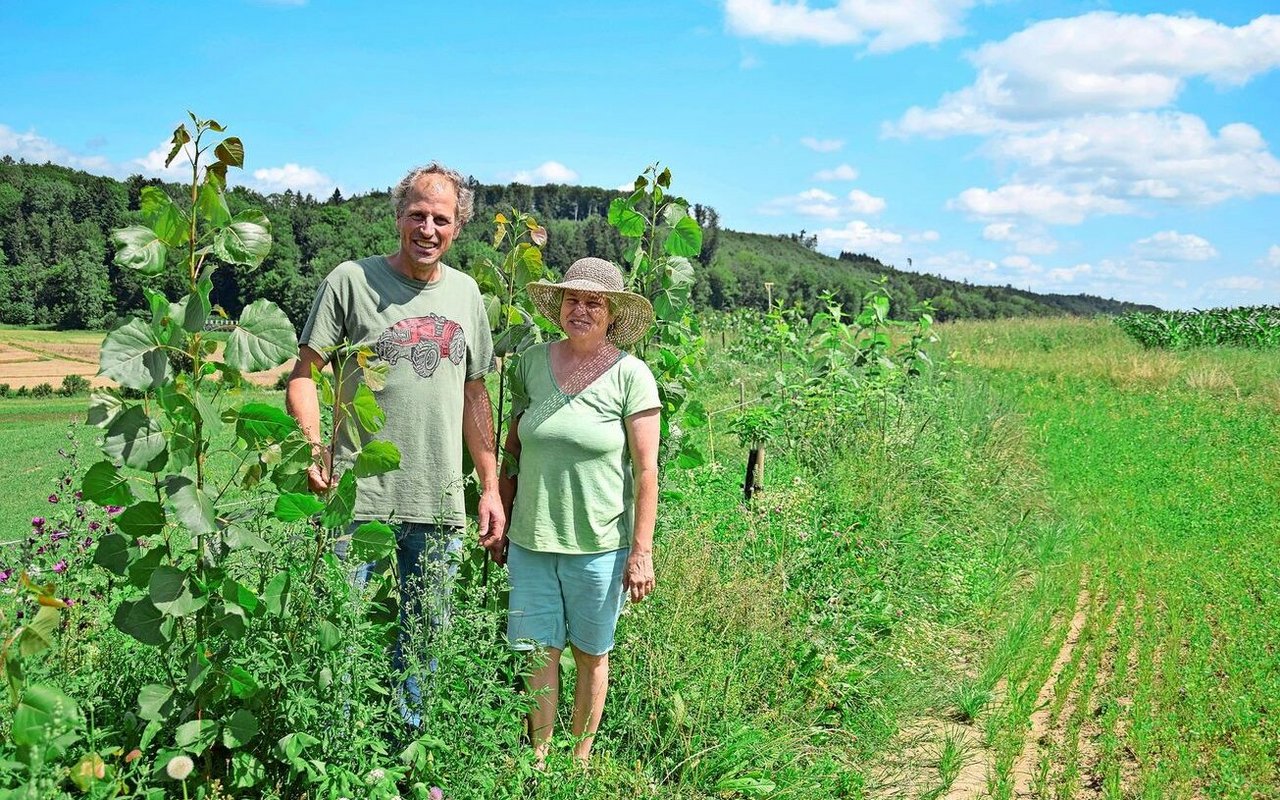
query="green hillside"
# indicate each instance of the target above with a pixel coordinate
(56, 263)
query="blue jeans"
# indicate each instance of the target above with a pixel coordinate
(426, 565)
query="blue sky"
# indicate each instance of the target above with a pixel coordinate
(1126, 150)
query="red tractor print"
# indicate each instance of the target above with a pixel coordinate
(424, 341)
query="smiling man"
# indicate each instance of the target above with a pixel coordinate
(426, 321)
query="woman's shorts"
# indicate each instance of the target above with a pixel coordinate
(555, 596)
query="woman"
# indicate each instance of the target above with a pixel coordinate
(585, 498)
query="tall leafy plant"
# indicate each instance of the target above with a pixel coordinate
(662, 238)
(190, 549)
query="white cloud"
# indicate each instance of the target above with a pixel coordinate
(882, 26)
(856, 235)
(822, 145)
(303, 180)
(1239, 283)
(844, 172)
(823, 205)
(1038, 201)
(547, 172)
(925, 236)
(960, 266)
(36, 149)
(1173, 246)
(1273, 256)
(862, 203)
(152, 163)
(1096, 63)
(1026, 241)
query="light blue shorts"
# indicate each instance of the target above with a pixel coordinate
(559, 595)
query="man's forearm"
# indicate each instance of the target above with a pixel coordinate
(477, 433)
(302, 403)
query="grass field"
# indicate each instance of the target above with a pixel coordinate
(1054, 574)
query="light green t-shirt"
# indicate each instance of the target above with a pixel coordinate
(574, 493)
(434, 337)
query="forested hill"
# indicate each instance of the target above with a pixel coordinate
(56, 261)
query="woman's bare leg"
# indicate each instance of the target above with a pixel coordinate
(588, 700)
(544, 684)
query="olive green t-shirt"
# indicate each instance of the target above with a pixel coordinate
(574, 492)
(434, 337)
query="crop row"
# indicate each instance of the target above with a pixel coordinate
(1245, 326)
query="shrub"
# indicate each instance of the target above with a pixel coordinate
(73, 385)
(4, 390)
(42, 390)
(22, 392)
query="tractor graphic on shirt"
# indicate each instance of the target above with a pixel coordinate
(423, 341)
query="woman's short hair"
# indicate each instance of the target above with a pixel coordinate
(466, 197)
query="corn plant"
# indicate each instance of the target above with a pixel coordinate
(1246, 326)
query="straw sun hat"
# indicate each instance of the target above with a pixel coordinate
(632, 313)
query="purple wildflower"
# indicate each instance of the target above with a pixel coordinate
(40, 550)
(61, 566)
(87, 543)
(436, 793)
(79, 494)
(53, 498)
(5, 574)
(113, 510)
(94, 525)
(68, 601)
(37, 522)
(66, 481)
(58, 535)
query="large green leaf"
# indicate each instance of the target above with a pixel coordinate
(230, 151)
(170, 592)
(136, 440)
(196, 736)
(627, 220)
(104, 404)
(212, 205)
(103, 484)
(42, 713)
(142, 519)
(293, 506)
(37, 635)
(262, 339)
(275, 598)
(684, 239)
(112, 553)
(131, 355)
(142, 566)
(677, 272)
(234, 592)
(330, 636)
(369, 414)
(143, 621)
(373, 541)
(138, 248)
(239, 729)
(192, 505)
(197, 307)
(261, 425)
(169, 222)
(340, 507)
(376, 458)
(180, 137)
(528, 264)
(245, 241)
(155, 702)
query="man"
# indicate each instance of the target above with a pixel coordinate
(427, 322)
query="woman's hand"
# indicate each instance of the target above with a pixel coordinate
(637, 578)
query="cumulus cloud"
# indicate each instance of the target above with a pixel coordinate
(862, 203)
(824, 205)
(1038, 201)
(36, 149)
(303, 180)
(1096, 63)
(857, 235)
(547, 172)
(822, 145)
(880, 26)
(844, 172)
(1240, 283)
(1168, 246)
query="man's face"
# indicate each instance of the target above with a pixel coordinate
(428, 223)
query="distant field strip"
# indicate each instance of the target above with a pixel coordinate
(1159, 674)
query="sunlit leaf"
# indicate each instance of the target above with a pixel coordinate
(180, 137)
(684, 239)
(367, 411)
(103, 484)
(132, 357)
(245, 241)
(373, 541)
(139, 249)
(261, 424)
(291, 507)
(263, 338)
(230, 151)
(627, 220)
(376, 458)
(339, 509)
(136, 440)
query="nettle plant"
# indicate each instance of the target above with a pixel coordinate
(663, 237)
(220, 560)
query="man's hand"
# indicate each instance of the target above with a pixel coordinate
(320, 473)
(637, 577)
(492, 520)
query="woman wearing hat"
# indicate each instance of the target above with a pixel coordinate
(585, 498)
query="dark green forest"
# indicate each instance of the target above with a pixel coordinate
(56, 263)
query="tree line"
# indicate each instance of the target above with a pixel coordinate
(56, 264)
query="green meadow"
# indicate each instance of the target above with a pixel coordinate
(1047, 569)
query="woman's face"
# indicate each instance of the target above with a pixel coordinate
(584, 314)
